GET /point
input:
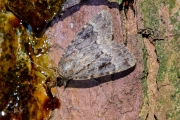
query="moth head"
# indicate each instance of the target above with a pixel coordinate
(62, 82)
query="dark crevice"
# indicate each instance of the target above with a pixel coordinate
(147, 116)
(155, 117)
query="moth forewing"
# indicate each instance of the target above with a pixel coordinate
(93, 53)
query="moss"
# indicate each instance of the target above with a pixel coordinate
(143, 113)
(168, 52)
(171, 4)
(145, 72)
(163, 62)
(150, 15)
(178, 74)
(169, 66)
(173, 20)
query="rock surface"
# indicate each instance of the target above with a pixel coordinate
(115, 97)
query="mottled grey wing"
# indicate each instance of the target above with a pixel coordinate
(92, 53)
(69, 3)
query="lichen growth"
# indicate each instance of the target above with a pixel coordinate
(168, 53)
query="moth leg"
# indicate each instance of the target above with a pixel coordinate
(55, 70)
(66, 83)
(98, 80)
(49, 83)
(61, 82)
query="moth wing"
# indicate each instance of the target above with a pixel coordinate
(92, 53)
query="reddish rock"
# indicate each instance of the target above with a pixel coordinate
(116, 97)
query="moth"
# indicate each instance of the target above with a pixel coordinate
(93, 53)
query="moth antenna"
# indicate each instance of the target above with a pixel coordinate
(55, 75)
(38, 65)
